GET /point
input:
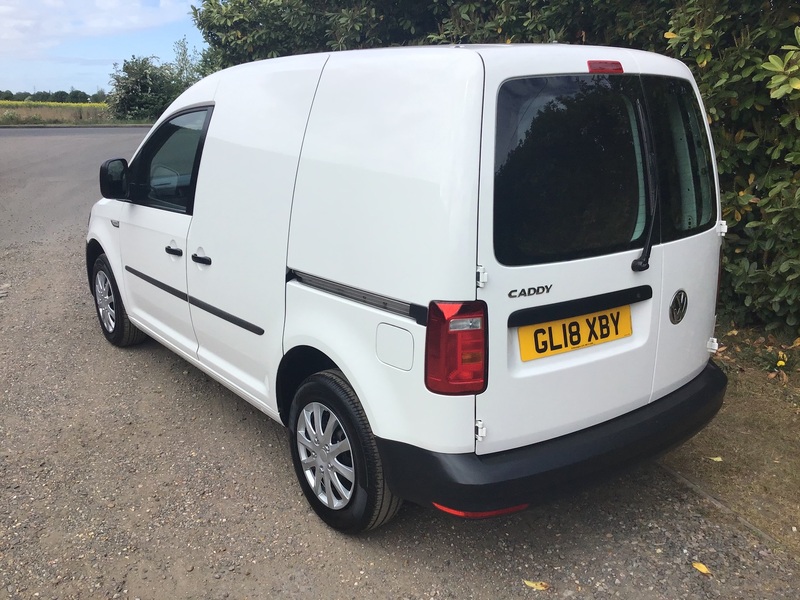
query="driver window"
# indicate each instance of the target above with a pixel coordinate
(166, 173)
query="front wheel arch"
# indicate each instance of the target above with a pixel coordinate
(93, 252)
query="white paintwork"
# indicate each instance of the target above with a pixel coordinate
(394, 346)
(366, 169)
(144, 233)
(241, 218)
(387, 189)
(396, 402)
(529, 402)
(690, 265)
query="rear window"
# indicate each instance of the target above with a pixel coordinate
(570, 172)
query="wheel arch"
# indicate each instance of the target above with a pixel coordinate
(296, 365)
(93, 251)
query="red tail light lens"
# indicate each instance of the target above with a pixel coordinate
(605, 66)
(456, 348)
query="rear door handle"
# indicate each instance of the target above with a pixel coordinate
(203, 260)
(173, 251)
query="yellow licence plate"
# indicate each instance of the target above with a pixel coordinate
(557, 337)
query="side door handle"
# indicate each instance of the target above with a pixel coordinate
(173, 251)
(203, 260)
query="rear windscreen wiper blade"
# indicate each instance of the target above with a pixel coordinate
(643, 262)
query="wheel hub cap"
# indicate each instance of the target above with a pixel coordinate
(104, 295)
(326, 456)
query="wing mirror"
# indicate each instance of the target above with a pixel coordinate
(114, 179)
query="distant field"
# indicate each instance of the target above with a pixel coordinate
(13, 112)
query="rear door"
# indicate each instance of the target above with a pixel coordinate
(566, 209)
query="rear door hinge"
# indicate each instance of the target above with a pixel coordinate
(712, 345)
(480, 430)
(722, 228)
(481, 277)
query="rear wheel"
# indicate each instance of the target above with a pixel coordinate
(110, 310)
(335, 456)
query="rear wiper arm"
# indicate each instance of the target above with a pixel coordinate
(643, 262)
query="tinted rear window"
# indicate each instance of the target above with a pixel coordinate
(569, 167)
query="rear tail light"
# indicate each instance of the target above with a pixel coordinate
(456, 348)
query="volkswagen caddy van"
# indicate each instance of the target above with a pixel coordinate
(463, 277)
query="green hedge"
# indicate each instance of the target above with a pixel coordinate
(744, 55)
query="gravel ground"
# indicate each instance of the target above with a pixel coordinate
(130, 474)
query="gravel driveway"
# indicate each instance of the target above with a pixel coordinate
(130, 474)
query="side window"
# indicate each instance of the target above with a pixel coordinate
(166, 168)
(685, 169)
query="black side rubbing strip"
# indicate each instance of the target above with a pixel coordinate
(581, 306)
(162, 286)
(398, 307)
(198, 303)
(226, 316)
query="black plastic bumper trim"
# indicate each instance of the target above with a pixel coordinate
(578, 307)
(473, 482)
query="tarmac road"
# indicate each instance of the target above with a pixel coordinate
(130, 474)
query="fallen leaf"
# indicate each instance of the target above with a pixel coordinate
(715, 458)
(772, 375)
(721, 349)
(701, 567)
(733, 332)
(537, 585)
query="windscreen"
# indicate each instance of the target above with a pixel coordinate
(570, 165)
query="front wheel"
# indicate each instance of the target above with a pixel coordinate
(110, 310)
(335, 456)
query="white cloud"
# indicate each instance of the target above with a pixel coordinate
(29, 28)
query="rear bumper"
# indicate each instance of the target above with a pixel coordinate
(470, 482)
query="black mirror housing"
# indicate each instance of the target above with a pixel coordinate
(114, 179)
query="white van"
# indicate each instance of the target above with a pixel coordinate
(460, 276)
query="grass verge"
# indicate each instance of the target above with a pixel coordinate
(53, 113)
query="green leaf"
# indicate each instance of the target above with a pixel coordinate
(776, 62)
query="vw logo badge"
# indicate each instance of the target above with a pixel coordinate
(677, 308)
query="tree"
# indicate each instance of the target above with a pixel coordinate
(6, 95)
(42, 96)
(238, 31)
(99, 96)
(59, 96)
(186, 66)
(78, 96)
(745, 55)
(143, 88)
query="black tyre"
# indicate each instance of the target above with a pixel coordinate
(110, 310)
(335, 456)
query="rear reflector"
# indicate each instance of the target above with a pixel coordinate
(605, 66)
(481, 514)
(455, 348)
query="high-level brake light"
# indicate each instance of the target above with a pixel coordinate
(455, 348)
(605, 66)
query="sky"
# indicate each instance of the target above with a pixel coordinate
(51, 45)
